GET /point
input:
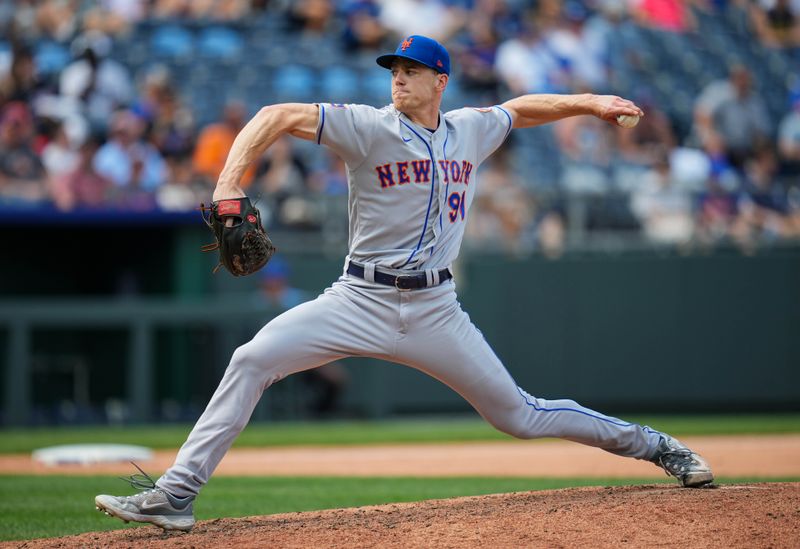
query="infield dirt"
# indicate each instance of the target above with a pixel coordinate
(751, 516)
(732, 516)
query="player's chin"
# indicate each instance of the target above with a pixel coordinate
(403, 99)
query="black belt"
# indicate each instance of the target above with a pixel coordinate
(401, 282)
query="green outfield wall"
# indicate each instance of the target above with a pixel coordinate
(635, 331)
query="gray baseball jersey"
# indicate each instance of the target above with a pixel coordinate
(410, 190)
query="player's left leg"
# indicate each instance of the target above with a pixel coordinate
(442, 342)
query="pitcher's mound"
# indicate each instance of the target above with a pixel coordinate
(752, 515)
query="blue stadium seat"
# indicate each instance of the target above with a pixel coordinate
(220, 43)
(338, 84)
(51, 57)
(316, 51)
(172, 42)
(293, 82)
(376, 85)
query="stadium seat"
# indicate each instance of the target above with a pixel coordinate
(172, 42)
(338, 84)
(294, 82)
(221, 43)
(51, 57)
(375, 84)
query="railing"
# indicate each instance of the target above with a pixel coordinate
(140, 318)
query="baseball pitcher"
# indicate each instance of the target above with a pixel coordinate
(412, 174)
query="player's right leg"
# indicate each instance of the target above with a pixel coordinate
(311, 334)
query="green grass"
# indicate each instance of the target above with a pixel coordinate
(372, 432)
(48, 506)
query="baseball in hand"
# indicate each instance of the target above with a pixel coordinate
(627, 121)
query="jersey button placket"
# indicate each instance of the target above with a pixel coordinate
(440, 191)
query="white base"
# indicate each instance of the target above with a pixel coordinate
(87, 454)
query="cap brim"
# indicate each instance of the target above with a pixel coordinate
(386, 61)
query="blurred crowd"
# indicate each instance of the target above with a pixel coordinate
(82, 129)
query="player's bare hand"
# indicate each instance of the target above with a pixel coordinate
(225, 191)
(609, 107)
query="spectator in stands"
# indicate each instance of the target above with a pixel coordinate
(667, 15)
(172, 132)
(215, 141)
(114, 17)
(639, 148)
(765, 209)
(716, 214)
(643, 144)
(505, 16)
(663, 208)
(59, 156)
(103, 85)
(432, 18)
(311, 17)
(503, 212)
(21, 82)
(331, 178)
(215, 10)
(133, 165)
(731, 114)
(776, 22)
(363, 29)
(588, 148)
(525, 65)
(82, 187)
(282, 178)
(281, 170)
(601, 27)
(789, 137)
(171, 123)
(580, 66)
(20, 21)
(21, 170)
(551, 233)
(58, 19)
(476, 54)
(182, 191)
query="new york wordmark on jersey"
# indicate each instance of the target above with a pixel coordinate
(419, 171)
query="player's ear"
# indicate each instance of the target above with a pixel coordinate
(441, 81)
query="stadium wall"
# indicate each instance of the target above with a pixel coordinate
(644, 331)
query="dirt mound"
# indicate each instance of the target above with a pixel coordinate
(753, 515)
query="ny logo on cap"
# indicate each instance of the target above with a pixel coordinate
(406, 43)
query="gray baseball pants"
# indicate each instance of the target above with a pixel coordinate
(425, 329)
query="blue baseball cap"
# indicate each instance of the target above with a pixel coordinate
(421, 49)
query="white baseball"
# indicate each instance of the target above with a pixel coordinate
(627, 121)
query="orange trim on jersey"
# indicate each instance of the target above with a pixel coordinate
(444, 164)
(466, 170)
(422, 170)
(402, 173)
(385, 175)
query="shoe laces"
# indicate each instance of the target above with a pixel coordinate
(140, 480)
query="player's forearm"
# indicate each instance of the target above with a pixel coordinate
(260, 132)
(533, 110)
(536, 109)
(257, 135)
